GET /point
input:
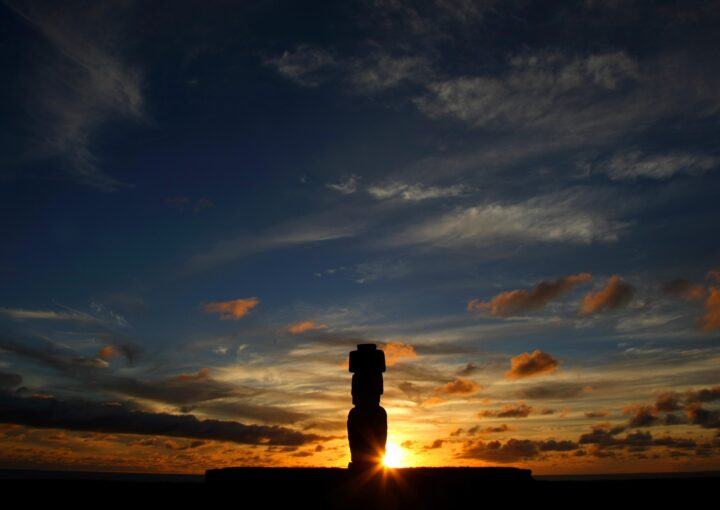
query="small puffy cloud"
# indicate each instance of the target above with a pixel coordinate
(203, 373)
(685, 289)
(615, 295)
(519, 301)
(106, 352)
(641, 415)
(235, 309)
(459, 387)
(711, 318)
(667, 401)
(301, 327)
(395, 351)
(520, 410)
(527, 365)
(347, 186)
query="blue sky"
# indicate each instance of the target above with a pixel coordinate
(367, 171)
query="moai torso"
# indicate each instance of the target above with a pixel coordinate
(367, 421)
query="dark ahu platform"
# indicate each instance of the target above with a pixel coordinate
(379, 488)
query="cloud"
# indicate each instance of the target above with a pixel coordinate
(396, 351)
(459, 387)
(615, 295)
(561, 391)
(711, 318)
(514, 450)
(415, 192)
(713, 274)
(348, 186)
(380, 71)
(47, 315)
(596, 414)
(308, 229)
(265, 413)
(469, 369)
(301, 327)
(412, 391)
(518, 301)
(114, 417)
(106, 352)
(635, 164)
(550, 218)
(203, 373)
(685, 289)
(235, 309)
(641, 415)
(520, 410)
(541, 89)
(527, 365)
(305, 65)
(84, 84)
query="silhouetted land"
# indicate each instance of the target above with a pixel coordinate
(336, 488)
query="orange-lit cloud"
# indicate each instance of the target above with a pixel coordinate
(459, 387)
(235, 309)
(685, 289)
(713, 274)
(711, 319)
(203, 373)
(301, 327)
(106, 352)
(395, 351)
(527, 365)
(615, 295)
(520, 410)
(518, 301)
(596, 414)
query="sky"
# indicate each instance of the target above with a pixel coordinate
(206, 206)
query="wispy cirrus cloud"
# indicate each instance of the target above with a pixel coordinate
(85, 85)
(551, 218)
(637, 164)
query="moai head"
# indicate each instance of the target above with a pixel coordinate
(367, 364)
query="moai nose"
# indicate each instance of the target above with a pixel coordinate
(367, 421)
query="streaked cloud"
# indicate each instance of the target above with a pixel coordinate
(615, 295)
(115, 417)
(234, 309)
(558, 219)
(516, 302)
(415, 192)
(302, 326)
(636, 164)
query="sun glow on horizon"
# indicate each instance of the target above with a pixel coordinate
(394, 456)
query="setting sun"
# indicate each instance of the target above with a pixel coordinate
(394, 456)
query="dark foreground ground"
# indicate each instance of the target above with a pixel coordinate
(338, 488)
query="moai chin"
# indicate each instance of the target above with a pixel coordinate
(367, 421)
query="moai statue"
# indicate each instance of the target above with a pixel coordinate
(367, 421)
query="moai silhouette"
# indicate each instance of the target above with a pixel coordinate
(367, 421)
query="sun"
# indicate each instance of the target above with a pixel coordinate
(394, 456)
